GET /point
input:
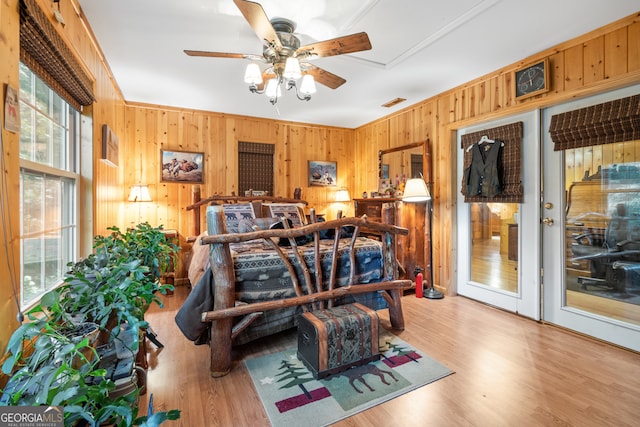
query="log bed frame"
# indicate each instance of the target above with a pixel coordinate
(223, 329)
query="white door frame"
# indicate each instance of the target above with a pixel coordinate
(555, 309)
(526, 301)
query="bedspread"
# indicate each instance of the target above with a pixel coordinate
(262, 276)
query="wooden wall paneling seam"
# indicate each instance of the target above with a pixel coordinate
(616, 45)
(593, 60)
(633, 52)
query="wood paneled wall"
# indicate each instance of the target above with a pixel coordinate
(101, 184)
(602, 60)
(150, 128)
(9, 178)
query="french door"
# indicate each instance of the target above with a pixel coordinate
(499, 243)
(588, 194)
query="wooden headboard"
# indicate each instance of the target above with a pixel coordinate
(198, 202)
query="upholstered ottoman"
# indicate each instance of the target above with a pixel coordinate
(335, 339)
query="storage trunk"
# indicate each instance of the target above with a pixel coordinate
(335, 339)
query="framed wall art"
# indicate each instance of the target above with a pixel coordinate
(110, 144)
(322, 174)
(385, 172)
(11, 109)
(182, 166)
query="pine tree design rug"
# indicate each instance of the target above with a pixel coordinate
(291, 396)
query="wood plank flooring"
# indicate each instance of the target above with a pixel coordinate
(509, 371)
(492, 268)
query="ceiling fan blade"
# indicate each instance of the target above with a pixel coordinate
(257, 18)
(338, 46)
(216, 54)
(328, 79)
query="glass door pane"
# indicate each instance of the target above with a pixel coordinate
(602, 229)
(494, 245)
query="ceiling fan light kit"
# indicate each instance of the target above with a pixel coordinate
(283, 53)
(252, 75)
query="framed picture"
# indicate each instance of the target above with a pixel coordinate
(109, 146)
(385, 172)
(323, 174)
(11, 110)
(182, 166)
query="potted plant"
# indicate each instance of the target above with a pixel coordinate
(43, 369)
(48, 363)
(120, 280)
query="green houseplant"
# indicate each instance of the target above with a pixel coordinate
(114, 285)
(121, 278)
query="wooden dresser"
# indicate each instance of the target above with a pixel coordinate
(411, 248)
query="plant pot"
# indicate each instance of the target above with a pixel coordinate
(126, 342)
(79, 332)
(105, 334)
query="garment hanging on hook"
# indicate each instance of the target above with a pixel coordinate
(484, 139)
(483, 177)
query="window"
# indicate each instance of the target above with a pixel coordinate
(255, 167)
(49, 146)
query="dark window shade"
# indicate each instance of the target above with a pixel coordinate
(45, 53)
(614, 121)
(511, 135)
(255, 167)
(416, 166)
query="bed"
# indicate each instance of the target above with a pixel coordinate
(264, 277)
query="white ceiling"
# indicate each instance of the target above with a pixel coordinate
(419, 48)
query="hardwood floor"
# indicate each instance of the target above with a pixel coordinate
(509, 371)
(492, 268)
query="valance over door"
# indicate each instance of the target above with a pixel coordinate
(606, 123)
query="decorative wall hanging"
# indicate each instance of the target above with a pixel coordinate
(322, 174)
(11, 110)
(385, 172)
(110, 146)
(182, 166)
(510, 136)
(532, 80)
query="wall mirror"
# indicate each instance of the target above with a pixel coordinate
(406, 161)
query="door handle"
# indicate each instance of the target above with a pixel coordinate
(548, 221)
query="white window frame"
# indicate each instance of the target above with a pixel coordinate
(67, 172)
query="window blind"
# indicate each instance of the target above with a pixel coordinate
(606, 123)
(44, 51)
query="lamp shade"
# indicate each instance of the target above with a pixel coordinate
(292, 69)
(139, 193)
(415, 191)
(252, 74)
(342, 196)
(308, 85)
(273, 89)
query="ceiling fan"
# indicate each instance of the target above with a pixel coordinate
(288, 61)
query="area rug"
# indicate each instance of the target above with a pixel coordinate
(291, 396)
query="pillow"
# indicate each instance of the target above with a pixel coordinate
(249, 225)
(265, 223)
(284, 241)
(292, 211)
(234, 213)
